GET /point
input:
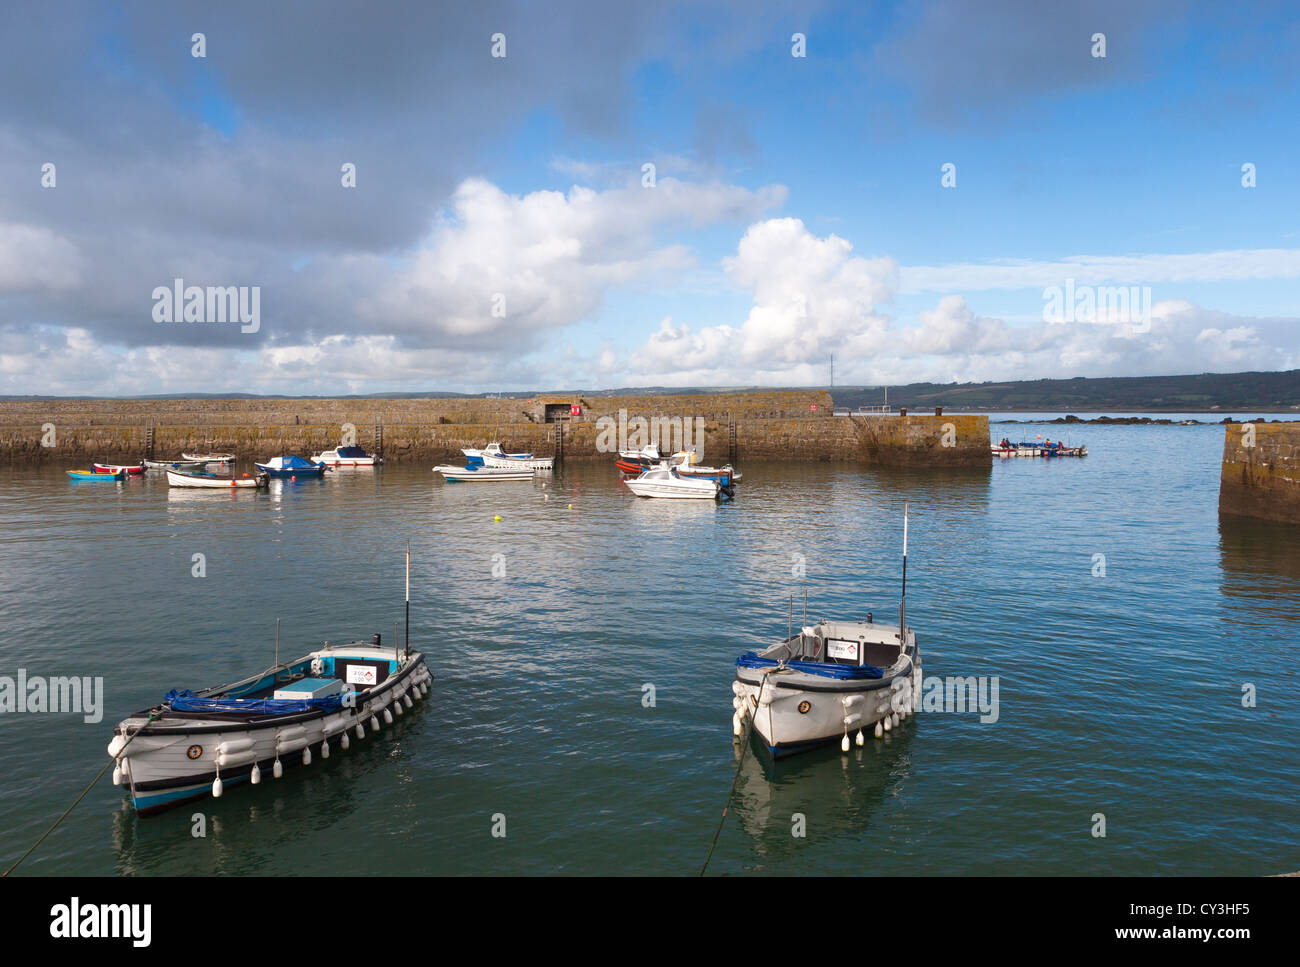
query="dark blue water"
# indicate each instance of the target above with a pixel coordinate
(1119, 694)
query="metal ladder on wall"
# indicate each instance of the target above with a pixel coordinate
(731, 439)
(559, 444)
(378, 440)
(148, 442)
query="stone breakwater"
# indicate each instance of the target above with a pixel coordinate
(1260, 476)
(787, 425)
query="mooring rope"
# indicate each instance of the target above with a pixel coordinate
(744, 748)
(129, 740)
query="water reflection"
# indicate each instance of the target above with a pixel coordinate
(837, 794)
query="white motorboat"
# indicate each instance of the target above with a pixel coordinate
(194, 744)
(475, 457)
(832, 679)
(474, 474)
(687, 464)
(209, 457)
(516, 461)
(667, 482)
(212, 481)
(184, 465)
(347, 457)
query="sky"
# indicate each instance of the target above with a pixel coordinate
(498, 197)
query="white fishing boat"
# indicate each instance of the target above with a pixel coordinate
(209, 457)
(831, 680)
(668, 483)
(473, 474)
(688, 465)
(517, 461)
(183, 465)
(212, 481)
(475, 457)
(347, 457)
(194, 744)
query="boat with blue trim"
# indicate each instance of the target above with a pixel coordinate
(95, 475)
(292, 467)
(475, 458)
(193, 744)
(831, 679)
(478, 474)
(347, 456)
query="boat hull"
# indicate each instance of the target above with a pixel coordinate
(650, 488)
(95, 475)
(131, 470)
(517, 463)
(482, 474)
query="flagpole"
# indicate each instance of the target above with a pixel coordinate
(408, 599)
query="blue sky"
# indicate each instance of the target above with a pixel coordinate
(798, 210)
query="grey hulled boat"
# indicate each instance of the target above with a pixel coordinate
(831, 680)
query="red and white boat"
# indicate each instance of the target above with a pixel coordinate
(132, 469)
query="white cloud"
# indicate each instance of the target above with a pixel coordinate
(545, 259)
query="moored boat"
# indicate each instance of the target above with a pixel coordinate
(686, 463)
(209, 457)
(474, 458)
(182, 465)
(96, 475)
(347, 457)
(194, 744)
(516, 461)
(639, 461)
(666, 482)
(291, 467)
(130, 469)
(831, 679)
(472, 474)
(212, 481)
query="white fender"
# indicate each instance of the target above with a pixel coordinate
(374, 724)
(241, 758)
(406, 700)
(325, 750)
(388, 717)
(216, 788)
(277, 770)
(231, 746)
(115, 747)
(306, 755)
(853, 719)
(255, 776)
(344, 742)
(851, 700)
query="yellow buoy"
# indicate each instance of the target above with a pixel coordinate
(496, 518)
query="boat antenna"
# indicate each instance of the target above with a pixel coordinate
(789, 625)
(805, 610)
(902, 601)
(277, 642)
(408, 599)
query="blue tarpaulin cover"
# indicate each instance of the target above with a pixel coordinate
(185, 701)
(751, 659)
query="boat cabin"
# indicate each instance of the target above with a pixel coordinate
(847, 643)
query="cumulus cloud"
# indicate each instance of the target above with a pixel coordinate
(812, 296)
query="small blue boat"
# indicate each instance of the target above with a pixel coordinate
(92, 475)
(292, 467)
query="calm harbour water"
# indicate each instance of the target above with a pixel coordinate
(1118, 694)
